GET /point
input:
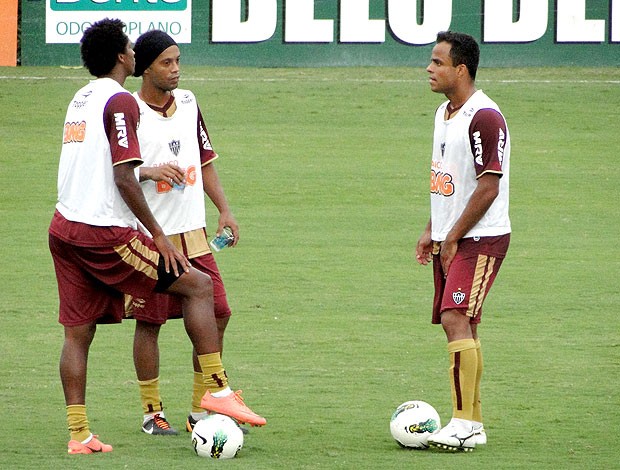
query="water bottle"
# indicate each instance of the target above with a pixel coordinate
(226, 238)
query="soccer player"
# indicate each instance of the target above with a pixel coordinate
(98, 252)
(468, 234)
(178, 170)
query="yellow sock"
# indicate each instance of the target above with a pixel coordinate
(149, 396)
(199, 390)
(477, 410)
(213, 373)
(78, 422)
(463, 366)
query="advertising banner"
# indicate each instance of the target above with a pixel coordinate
(8, 32)
(310, 33)
(65, 20)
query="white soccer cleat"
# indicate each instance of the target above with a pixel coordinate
(458, 435)
(479, 435)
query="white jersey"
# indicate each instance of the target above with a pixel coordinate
(99, 133)
(474, 142)
(174, 139)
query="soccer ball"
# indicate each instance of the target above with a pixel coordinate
(217, 436)
(413, 423)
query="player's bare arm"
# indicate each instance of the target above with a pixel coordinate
(169, 172)
(479, 203)
(214, 190)
(128, 186)
(424, 247)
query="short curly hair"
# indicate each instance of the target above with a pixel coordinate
(101, 44)
(465, 50)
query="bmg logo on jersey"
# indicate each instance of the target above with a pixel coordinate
(74, 132)
(163, 187)
(441, 183)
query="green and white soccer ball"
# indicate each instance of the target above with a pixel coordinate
(217, 437)
(413, 423)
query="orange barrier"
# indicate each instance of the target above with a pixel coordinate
(8, 32)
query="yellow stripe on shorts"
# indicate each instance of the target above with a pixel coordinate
(484, 270)
(136, 254)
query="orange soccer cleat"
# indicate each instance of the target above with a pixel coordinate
(232, 405)
(93, 446)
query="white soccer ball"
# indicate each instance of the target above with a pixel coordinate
(217, 436)
(413, 423)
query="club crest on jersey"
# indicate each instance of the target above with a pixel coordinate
(175, 147)
(458, 297)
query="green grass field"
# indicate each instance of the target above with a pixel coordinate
(327, 172)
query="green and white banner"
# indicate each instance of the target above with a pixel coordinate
(310, 33)
(410, 21)
(66, 20)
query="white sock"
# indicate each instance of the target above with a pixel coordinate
(222, 393)
(199, 415)
(463, 423)
(145, 418)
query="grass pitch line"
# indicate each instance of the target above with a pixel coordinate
(339, 80)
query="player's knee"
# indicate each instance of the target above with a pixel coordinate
(201, 284)
(193, 284)
(455, 323)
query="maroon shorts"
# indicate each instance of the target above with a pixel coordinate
(92, 280)
(157, 308)
(470, 278)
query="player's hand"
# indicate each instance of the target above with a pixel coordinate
(424, 249)
(172, 257)
(447, 254)
(170, 173)
(228, 220)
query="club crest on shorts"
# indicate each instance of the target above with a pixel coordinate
(458, 297)
(175, 147)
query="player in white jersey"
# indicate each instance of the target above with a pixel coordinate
(468, 233)
(98, 254)
(178, 170)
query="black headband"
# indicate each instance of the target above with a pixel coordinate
(148, 47)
